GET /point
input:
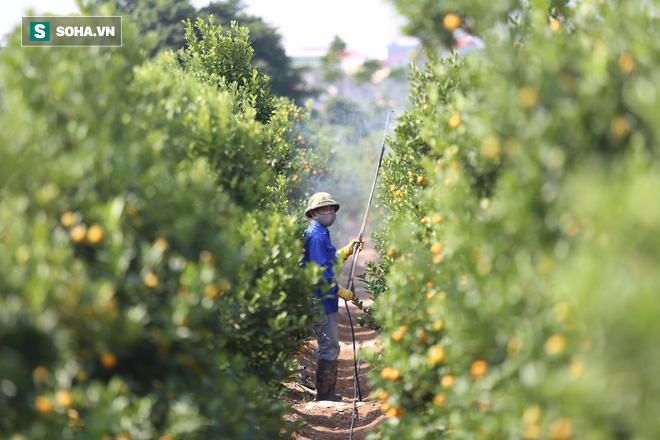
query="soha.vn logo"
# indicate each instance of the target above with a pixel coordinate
(40, 31)
(85, 31)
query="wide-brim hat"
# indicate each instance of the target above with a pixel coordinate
(319, 200)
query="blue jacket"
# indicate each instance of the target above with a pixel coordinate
(319, 248)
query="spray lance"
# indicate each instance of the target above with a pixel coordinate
(356, 251)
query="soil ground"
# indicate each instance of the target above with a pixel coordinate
(332, 420)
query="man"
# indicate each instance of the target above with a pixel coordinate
(321, 209)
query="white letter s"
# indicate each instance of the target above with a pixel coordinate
(40, 31)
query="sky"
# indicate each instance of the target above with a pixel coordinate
(367, 26)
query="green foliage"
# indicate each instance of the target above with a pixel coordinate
(330, 62)
(516, 300)
(149, 283)
(224, 59)
(291, 154)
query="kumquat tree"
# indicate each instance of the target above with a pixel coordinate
(151, 228)
(517, 290)
(151, 284)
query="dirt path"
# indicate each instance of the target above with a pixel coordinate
(332, 420)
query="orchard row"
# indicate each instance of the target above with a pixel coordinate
(516, 295)
(150, 280)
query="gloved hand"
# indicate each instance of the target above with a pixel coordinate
(347, 251)
(345, 294)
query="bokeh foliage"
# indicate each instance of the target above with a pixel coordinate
(151, 282)
(515, 294)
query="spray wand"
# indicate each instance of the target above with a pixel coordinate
(356, 251)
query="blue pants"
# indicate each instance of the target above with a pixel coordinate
(327, 335)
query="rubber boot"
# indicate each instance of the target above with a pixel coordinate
(326, 380)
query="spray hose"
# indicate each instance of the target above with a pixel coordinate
(356, 252)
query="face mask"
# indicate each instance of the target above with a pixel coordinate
(326, 219)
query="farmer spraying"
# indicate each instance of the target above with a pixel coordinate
(321, 209)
